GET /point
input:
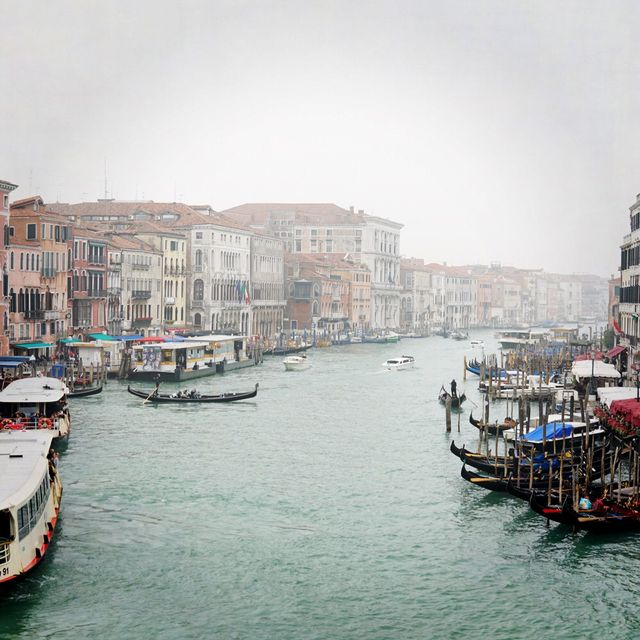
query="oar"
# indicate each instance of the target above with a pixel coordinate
(151, 394)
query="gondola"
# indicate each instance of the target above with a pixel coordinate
(455, 401)
(154, 396)
(495, 428)
(83, 393)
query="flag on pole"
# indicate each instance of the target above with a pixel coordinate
(616, 327)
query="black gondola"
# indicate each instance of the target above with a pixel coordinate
(154, 396)
(456, 401)
(83, 393)
(493, 429)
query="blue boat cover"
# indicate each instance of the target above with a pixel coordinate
(553, 430)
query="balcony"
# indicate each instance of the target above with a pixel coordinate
(48, 272)
(51, 314)
(115, 266)
(144, 321)
(141, 294)
(140, 267)
(34, 314)
(114, 291)
(198, 268)
(97, 260)
(97, 293)
(197, 304)
(169, 301)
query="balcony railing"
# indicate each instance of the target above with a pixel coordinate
(142, 322)
(115, 266)
(175, 272)
(140, 267)
(34, 314)
(51, 314)
(197, 304)
(97, 293)
(97, 260)
(114, 291)
(48, 272)
(198, 268)
(141, 294)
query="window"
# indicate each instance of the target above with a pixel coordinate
(198, 235)
(198, 290)
(5, 201)
(31, 231)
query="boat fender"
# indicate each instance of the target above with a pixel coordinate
(7, 423)
(45, 423)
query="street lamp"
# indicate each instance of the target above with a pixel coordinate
(593, 380)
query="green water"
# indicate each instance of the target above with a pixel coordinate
(328, 508)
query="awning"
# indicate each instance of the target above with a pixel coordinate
(595, 369)
(128, 338)
(33, 345)
(70, 340)
(101, 336)
(10, 364)
(612, 353)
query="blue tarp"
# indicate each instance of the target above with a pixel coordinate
(553, 430)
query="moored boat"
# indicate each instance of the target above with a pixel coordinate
(400, 363)
(181, 397)
(83, 393)
(36, 403)
(30, 494)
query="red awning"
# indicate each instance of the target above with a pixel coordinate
(587, 356)
(612, 353)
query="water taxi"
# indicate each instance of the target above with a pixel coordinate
(400, 363)
(296, 363)
(36, 403)
(30, 494)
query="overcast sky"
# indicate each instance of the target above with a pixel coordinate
(494, 130)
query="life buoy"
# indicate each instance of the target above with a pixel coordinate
(16, 426)
(45, 423)
(7, 423)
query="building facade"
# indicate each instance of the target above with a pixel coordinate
(5, 190)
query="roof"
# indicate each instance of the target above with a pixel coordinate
(184, 344)
(33, 345)
(23, 462)
(217, 337)
(262, 212)
(37, 389)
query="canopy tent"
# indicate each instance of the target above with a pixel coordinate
(31, 346)
(129, 338)
(616, 351)
(627, 411)
(594, 369)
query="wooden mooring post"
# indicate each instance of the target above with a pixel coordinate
(448, 414)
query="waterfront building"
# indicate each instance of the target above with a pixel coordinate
(613, 305)
(629, 306)
(327, 228)
(267, 295)
(141, 283)
(173, 246)
(115, 308)
(416, 297)
(5, 189)
(37, 312)
(358, 276)
(86, 285)
(219, 270)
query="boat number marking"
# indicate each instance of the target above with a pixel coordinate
(5, 571)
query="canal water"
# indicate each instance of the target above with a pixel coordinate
(329, 507)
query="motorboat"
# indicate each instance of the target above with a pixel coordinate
(400, 363)
(477, 343)
(296, 362)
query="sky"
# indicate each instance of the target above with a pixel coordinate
(494, 130)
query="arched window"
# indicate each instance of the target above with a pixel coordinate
(197, 319)
(198, 290)
(198, 258)
(21, 261)
(11, 261)
(316, 291)
(314, 308)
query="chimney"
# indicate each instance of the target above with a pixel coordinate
(351, 208)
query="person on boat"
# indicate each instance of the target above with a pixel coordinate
(454, 386)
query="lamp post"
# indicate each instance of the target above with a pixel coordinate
(593, 381)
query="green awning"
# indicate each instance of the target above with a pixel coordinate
(68, 340)
(101, 336)
(33, 345)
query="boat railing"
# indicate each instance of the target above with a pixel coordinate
(24, 424)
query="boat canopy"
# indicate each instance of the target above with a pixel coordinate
(607, 395)
(32, 390)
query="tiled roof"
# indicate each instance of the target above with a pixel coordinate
(318, 212)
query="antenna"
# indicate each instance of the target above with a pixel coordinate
(105, 178)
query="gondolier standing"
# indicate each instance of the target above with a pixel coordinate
(454, 386)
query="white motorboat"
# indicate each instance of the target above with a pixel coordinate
(477, 343)
(400, 363)
(296, 362)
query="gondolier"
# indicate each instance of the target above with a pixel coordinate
(454, 386)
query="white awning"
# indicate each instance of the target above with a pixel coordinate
(584, 368)
(607, 395)
(36, 389)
